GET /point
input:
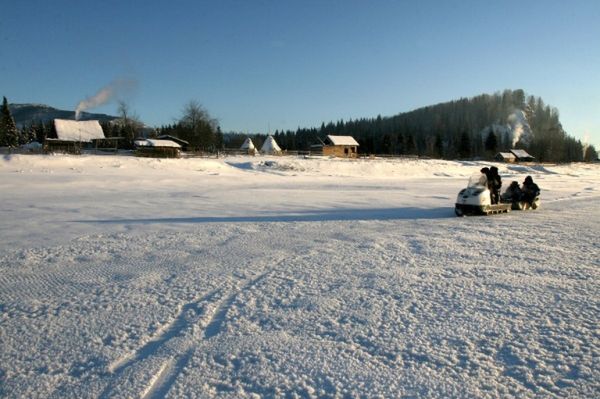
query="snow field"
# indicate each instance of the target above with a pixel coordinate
(283, 277)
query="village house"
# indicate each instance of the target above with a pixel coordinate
(157, 148)
(514, 156)
(340, 146)
(72, 135)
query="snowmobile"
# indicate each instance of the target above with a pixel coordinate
(476, 199)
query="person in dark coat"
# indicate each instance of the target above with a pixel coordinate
(494, 184)
(512, 193)
(530, 190)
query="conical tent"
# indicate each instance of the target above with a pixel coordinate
(249, 146)
(270, 146)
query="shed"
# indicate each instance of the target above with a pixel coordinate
(157, 148)
(248, 146)
(270, 146)
(522, 155)
(341, 146)
(508, 157)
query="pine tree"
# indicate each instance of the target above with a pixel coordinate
(9, 135)
(590, 154)
(438, 146)
(410, 145)
(464, 147)
(491, 143)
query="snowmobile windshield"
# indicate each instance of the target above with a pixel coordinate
(478, 180)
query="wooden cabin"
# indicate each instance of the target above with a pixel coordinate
(72, 136)
(154, 148)
(340, 146)
(507, 157)
(522, 156)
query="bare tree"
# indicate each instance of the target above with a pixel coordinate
(197, 126)
(128, 122)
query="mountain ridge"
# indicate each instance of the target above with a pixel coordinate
(26, 114)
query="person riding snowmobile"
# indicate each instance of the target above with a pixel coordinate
(494, 184)
(530, 190)
(513, 192)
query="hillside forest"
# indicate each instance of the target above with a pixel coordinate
(477, 127)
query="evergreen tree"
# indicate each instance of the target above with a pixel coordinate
(410, 145)
(464, 146)
(491, 143)
(590, 154)
(438, 148)
(9, 135)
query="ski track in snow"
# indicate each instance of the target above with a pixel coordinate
(370, 289)
(202, 319)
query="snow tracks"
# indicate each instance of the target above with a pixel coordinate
(151, 370)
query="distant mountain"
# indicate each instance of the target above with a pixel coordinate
(27, 114)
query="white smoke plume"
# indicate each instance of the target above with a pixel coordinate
(521, 131)
(106, 94)
(586, 142)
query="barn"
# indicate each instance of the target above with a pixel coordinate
(340, 146)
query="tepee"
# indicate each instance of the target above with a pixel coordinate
(249, 146)
(270, 146)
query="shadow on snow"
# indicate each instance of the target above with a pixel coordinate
(330, 215)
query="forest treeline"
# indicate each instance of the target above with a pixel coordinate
(477, 127)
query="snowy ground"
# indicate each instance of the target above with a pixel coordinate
(288, 277)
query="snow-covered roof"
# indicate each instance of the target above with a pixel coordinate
(270, 146)
(156, 143)
(342, 140)
(521, 154)
(248, 145)
(83, 131)
(173, 138)
(506, 155)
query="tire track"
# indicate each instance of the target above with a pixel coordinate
(173, 346)
(169, 343)
(162, 382)
(215, 325)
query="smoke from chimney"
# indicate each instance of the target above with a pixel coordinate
(105, 95)
(520, 128)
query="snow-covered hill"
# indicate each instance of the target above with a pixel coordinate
(290, 277)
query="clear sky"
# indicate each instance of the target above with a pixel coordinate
(260, 65)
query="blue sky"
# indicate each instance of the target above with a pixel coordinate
(260, 65)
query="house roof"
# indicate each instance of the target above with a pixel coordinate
(81, 131)
(506, 155)
(342, 140)
(156, 143)
(521, 154)
(173, 138)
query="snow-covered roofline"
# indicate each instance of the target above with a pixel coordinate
(80, 131)
(342, 140)
(156, 143)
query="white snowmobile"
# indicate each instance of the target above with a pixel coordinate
(476, 199)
